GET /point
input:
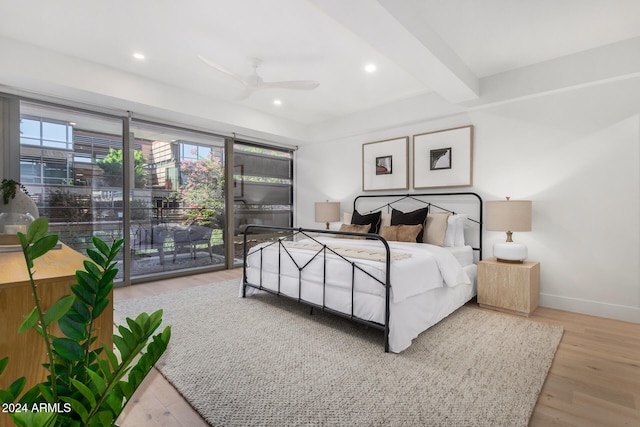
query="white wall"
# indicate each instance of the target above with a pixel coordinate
(575, 154)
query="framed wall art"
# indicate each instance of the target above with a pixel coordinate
(443, 158)
(385, 165)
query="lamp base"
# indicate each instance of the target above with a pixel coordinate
(510, 252)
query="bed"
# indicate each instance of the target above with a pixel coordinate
(399, 263)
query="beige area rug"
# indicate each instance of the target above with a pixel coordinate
(264, 360)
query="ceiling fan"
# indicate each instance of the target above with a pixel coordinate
(254, 82)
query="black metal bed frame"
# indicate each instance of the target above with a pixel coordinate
(283, 234)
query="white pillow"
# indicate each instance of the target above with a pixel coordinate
(459, 236)
(346, 217)
(455, 231)
(452, 229)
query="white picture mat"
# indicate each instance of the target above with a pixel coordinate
(398, 179)
(461, 144)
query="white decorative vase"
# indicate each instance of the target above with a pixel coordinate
(16, 215)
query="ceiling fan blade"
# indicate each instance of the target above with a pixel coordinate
(245, 94)
(293, 84)
(224, 71)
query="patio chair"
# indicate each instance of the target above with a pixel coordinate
(194, 237)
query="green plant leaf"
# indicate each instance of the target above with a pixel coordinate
(115, 248)
(29, 321)
(92, 268)
(77, 331)
(45, 392)
(127, 389)
(16, 387)
(77, 407)
(83, 295)
(99, 308)
(42, 246)
(108, 277)
(135, 328)
(31, 395)
(84, 391)
(111, 356)
(37, 229)
(114, 402)
(87, 281)
(97, 381)
(3, 363)
(34, 419)
(96, 257)
(128, 336)
(102, 418)
(79, 312)
(101, 246)
(68, 349)
(58, 309)
(122, 346)
(104, 291)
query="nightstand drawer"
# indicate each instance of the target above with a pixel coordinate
(508, 286)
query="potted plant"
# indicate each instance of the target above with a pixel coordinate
(8, 188)
(17, 209)
(86, 385)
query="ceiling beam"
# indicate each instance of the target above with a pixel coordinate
(395, 29)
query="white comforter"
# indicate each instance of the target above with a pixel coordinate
(428, 267)
(425, 287)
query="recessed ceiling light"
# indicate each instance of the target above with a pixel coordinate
(138, 55)
(370, 68)
(277, 102)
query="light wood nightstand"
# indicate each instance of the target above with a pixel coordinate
(510, 287)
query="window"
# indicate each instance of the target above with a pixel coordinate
(263, 188)
(177, 210)
(72, 162)
(60, 153)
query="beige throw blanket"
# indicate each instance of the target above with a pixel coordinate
(370, 254)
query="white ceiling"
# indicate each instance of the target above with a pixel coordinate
(420, 47)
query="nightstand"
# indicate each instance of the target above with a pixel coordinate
(510, 287)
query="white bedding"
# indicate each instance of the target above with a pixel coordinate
(425, 287)
(464, 254)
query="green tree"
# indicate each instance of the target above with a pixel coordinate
(113, 172)
(202, 191)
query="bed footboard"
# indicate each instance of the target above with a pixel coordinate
(277, 237)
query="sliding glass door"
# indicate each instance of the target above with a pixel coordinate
(176, 199)
(62, 165)
(262, 189)
(161, 188)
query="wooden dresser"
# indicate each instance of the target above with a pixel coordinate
(55, 272)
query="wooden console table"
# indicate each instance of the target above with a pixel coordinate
(55, 272)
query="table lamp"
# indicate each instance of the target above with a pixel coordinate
(509, 215)
(327, 212)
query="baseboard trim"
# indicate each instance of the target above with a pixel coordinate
(593, 308)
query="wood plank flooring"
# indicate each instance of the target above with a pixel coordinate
(594, 379)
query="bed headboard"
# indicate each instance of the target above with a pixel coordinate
(467, 203)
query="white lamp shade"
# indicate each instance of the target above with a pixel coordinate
(327, 211)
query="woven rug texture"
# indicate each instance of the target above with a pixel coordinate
(265, 361)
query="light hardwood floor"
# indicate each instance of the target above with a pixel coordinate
(594, 379)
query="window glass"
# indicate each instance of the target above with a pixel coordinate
(60, 151)
(177, 205)
(263, 189)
